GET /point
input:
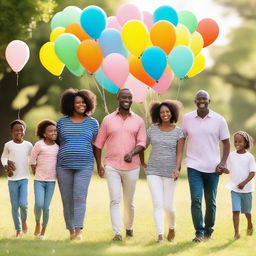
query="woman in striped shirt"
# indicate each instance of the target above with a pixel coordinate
(76, 132)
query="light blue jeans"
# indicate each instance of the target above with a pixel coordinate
(73, 186)
(18, 190)
(43, 195)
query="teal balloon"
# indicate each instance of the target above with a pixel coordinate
(105, 82)
(166, 12)
(65, 48)
(57, 21)
(93, 20)
(189, 20)
(181, 60)
(154, 61)
(77, 72)
(71, 14)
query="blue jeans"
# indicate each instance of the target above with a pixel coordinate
(18, 190)
(43, 195)
(73, 186)
(199, 183)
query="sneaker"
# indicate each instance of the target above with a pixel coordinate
(207, 236)
(160, 239)
(117, 237)
(171, 235)
(198, 239)
(129, 233)
(42, 237)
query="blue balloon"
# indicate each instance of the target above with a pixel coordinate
(111, 42)
(181, 60)
(93, 20)
(166, 12)
(105, 82)
(154, 61)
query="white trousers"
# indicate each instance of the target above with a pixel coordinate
(162, 191)
(118, 180)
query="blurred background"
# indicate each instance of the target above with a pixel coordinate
(230, 75)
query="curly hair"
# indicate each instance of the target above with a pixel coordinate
(68, 100)
(18, 121)
(247, 139)
(41, 127)
(173, 106)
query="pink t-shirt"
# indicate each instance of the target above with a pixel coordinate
(44, 157)
(203, 136)
(121, 136)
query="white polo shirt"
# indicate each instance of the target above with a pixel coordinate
(203, 136)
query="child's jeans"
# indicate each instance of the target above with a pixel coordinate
(43, 196)
(18, 190)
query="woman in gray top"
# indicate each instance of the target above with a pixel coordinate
(164, 163)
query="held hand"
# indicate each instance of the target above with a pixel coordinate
(219, 168)
(144, 165)
(101, 171)
(11, 165)
(175, 174)
(33, 167)
(9, 173)
(241, 185)
(128, 157)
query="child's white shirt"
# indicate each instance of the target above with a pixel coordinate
(18, 153)
(240, 165)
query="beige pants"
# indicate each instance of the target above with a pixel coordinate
(118, 180)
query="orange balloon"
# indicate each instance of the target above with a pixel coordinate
(90, 55)
(209, 30)
(76, 29)
(137, 70)
(163, 35)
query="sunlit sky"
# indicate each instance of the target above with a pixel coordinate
(201, 8)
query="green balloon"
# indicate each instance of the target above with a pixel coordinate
(71, 14)
(57, 21)
(66, 47)
(78, 72)
(189, 20)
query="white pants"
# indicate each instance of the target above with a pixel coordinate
(118, 179)
(162, 192)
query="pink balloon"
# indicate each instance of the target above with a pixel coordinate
(128, 12)
(116, 68)
(148, 19)
(164, 82)
(139, 90)
(112, 22)
(17, 55)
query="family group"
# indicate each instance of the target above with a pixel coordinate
(66, 151)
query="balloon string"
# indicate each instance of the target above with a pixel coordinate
(179, 87)
(102, 95)
(17, 84)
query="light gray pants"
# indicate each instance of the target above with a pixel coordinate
(73, 186)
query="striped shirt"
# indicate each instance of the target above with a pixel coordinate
(162, 159)
(75, 140)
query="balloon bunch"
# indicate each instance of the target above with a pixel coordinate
(134, 49)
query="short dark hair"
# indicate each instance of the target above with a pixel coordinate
(155, 111)
(41, 127)
(68, 99)
(18, 121)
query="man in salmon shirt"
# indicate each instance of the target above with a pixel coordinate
(124, 134)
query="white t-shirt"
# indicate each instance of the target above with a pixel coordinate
(18, 153)
(240, 165)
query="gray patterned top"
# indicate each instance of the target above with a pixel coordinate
(162, 159)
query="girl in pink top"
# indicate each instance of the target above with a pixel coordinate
(43, 163)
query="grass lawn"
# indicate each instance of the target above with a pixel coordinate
(97, 234)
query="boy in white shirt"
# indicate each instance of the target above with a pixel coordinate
(15, 158)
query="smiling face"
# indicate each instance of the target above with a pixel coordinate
(125, 99)
(79, 105)
(239, 143)
(202, 100)
(18, 132)
(50, 133)
(165, 114)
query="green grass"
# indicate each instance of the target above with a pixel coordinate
(97, 234)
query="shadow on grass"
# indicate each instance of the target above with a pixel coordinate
(222, 246)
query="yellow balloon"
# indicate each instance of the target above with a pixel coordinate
(183, 36)
(197, 43)
(135, 37)
(50, 60)
(56, 32)
(198, 66)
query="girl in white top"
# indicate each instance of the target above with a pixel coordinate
(241, 166)
(15, 158)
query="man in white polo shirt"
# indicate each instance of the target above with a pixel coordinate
(204, 129)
